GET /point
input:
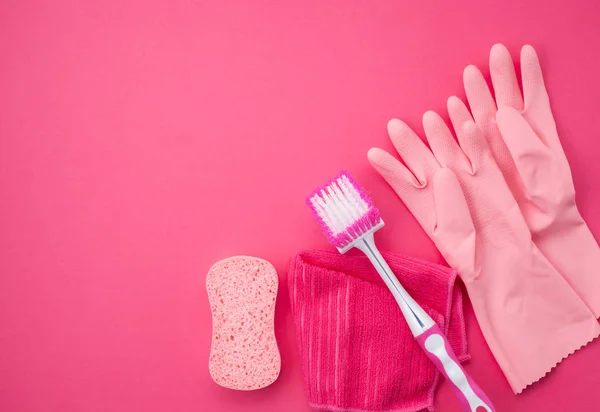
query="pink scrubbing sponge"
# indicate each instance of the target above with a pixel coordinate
(241, 292)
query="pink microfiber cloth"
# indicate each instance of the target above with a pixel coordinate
(356, 349)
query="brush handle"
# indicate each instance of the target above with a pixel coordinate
(428, 334)
(437, 348)
(418, 320)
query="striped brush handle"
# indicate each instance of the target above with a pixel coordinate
(469, 394)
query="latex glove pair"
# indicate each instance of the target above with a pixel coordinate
(500, 207)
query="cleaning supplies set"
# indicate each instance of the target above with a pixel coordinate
(498, 202)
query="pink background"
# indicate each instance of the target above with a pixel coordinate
(141, 141)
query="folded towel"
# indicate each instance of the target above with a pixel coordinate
(356, 350)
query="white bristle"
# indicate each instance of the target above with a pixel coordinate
(339, 205)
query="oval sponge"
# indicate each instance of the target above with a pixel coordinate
(241, 293)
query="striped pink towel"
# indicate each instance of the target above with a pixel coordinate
(356, 350)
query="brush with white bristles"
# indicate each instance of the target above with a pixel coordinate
(349, 219)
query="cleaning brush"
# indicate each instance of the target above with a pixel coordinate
(349, 219)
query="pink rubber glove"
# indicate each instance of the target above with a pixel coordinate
(523, 139)
(530, 317)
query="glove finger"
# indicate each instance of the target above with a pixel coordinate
(470, 137)
(484, 110)
(454, 232)
(442, 143)
(479, 97)
(537, 104)
(533, 159)
(415, 195)
(504, 78)
(459, 116)
(412, 150)
(534, 89)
